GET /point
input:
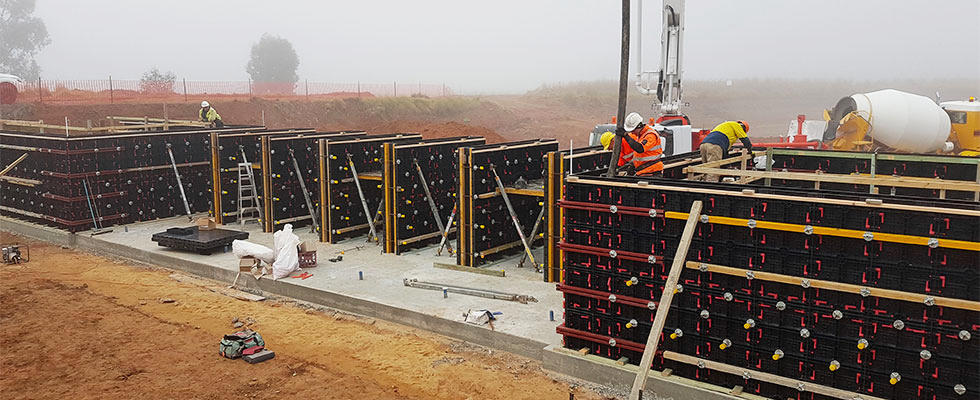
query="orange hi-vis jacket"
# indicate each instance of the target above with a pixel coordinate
(648, 161)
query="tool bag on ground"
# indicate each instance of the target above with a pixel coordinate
(240, 343)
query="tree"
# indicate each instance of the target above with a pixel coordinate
(22, 35)
(273, 64)
(156, 82)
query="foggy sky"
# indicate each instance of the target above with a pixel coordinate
(510, 46)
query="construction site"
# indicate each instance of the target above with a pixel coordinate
(416, 256)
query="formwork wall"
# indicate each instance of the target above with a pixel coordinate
(485, 225)
(409, 220)
(129, 175)
(828, 290)
(225, 156)
(345, 217)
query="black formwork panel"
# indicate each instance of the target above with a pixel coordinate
(129, 176)
(286, 199)
(225, 158)
(486, 228)
(583, 161)
(840, 338)
(345, 217)
(409, 218)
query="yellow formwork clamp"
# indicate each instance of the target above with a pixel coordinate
(834, 365)
(725, 344)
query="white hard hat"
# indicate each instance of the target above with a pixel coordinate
(205, 104)
(632, 121)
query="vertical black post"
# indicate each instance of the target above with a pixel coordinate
(624, 62)
(40, 98)
(358, 89)
(306, 82)
(111, 100)
(185, 89)
(249, 87)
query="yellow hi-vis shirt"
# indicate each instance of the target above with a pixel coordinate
(210, 116)
(733, 130)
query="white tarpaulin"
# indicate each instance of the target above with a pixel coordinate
(243, 248)
(287, 256)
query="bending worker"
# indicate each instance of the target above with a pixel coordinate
(720, 140)
(641, 146)
(208, 114)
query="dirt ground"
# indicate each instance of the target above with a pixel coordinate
(77, 325)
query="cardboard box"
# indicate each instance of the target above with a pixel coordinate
(303, 247)
(245, 264)
(205, 224)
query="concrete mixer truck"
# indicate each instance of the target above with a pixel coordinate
(896, 121)
(8, 88)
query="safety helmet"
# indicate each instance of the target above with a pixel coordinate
(632, 121)
(205, 104)
(606, 139)
(745, 125)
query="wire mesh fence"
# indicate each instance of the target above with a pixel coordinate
(114, 90)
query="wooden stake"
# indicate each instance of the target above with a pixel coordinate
(665, 299)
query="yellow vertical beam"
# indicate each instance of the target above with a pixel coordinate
(561, 217)
(324, 198)
(267, 184)
(328, 190)
(388, 190)
(216, 179)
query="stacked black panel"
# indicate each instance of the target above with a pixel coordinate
(408, 214)
(487, 227)
(346, 217)
(873, 299)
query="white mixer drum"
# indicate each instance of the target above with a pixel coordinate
(904, 121)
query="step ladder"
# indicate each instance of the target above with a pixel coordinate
(248, 201)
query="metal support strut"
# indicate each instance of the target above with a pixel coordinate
(180, 185)
(373, 234)
(513, 216)
(306, 194)
(432, 203)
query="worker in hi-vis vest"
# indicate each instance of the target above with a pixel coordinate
(641, 146)
(208, 114)
(720, 140)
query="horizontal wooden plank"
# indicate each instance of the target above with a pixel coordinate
(880, 180)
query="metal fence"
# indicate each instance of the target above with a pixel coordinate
(114, 90)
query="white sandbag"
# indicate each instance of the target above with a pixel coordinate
(287, 256)
(244, 248)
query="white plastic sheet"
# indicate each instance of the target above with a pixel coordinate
(243, 248)
(287, 256)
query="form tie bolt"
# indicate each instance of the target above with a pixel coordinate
(780, 305)
(929, 301)
(933, 243)
(632, 281)
(632, 324)
(749, 324)
(613, 209)
(612, 298)
(679, 288)
(677, 333)
(898, 324)
(925, 354)
(704, 218)
(808, 230)
(959, 389)
(701, 364)
(725, 344)
(801, 387)
(805, 283)
(749, 275)
(728, 296)
(652, 259)
(895, 378)
(862, 344)
(612, 342)
(838, 314)
(865, 292)
(805, 333)
(776, 355)
(705, 314)
(868, 236)
(652, 213)
(703, 267)
(651, 305)
(964, 335)
(834, 365)
(746, 375)
(612, 253)
(751, 224)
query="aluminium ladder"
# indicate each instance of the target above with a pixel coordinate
(248, 200)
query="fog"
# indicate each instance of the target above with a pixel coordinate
(511, 46)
